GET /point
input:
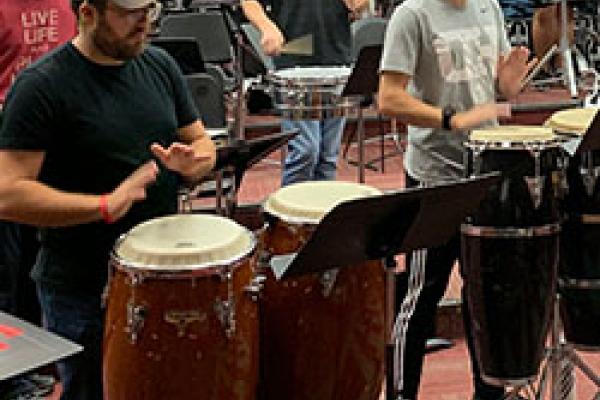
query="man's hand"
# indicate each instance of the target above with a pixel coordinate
(512, 69)
(131, 190)
(271, 40)
(179, 157)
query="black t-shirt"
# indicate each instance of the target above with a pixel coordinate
(326, 20)
(95, 124)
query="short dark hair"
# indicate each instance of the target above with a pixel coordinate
(99, 4)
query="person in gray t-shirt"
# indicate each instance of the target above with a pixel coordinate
(442, 63)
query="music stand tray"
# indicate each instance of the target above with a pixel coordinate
(377, 227)
(184, 50)
(24, 346)
(591, 139)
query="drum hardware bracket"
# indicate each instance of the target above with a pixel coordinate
(181, 319)
(589, 177)
(327, 280)
(255, 287)
(225, 311)
(136, 315)
(535, 184)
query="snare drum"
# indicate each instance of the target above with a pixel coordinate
(179, 323)
(510, 251)
(303, 93)
(580, 255)
(322, 335)
(531, 163)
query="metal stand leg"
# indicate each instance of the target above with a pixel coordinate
(561, 359)
(360, 137)
(565, 49)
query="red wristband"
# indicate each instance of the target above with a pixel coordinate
(106, 217)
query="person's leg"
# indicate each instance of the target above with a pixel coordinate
(78, 318)
(331, 139)
(303, 151)
(418, 294)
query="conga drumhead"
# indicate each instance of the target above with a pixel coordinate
(513, 134)
(574, 121)
(184, 241)
(310, 201)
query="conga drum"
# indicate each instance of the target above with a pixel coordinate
(323, 334)
(510, 251)
(179, 321)
(579, 272)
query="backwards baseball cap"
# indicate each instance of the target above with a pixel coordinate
(132, 4)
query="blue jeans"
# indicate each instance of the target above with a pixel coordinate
(77, 317)
(517, 8)
(313, 152)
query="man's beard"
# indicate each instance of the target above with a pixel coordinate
(105, 40)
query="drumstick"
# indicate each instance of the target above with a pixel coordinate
(302, 46)
(539, 66)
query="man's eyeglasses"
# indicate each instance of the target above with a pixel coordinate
(151, 11)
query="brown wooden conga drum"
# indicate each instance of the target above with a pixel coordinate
(322, 334)
(179, 321)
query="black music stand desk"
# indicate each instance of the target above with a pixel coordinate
(236, 157)
(380, 227)
(591, 139)
(361, 86)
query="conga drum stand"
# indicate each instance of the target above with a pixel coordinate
(380, 227)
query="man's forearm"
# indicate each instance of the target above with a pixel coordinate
(409, 110)
(34, 203)
(255, 13)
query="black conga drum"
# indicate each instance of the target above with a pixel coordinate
(510, 250)
(579, 272)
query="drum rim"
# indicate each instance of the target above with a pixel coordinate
(509, 232)
(183, 270)
(273, 78)
(579, 283)
(529, 145)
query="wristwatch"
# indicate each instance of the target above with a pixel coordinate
(447, 113)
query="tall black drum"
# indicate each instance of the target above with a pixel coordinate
(510, 250)
(510, 276)
(579, 272)
(531, 163)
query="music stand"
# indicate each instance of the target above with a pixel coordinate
(185, 50)
(236, 158)
(362, 85)
(591, 139)
(24, 347)
(380, 227)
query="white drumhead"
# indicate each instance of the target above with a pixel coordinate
(304, 73)
(310, 201)
(575, 121)
(513, 134)
(185, 240)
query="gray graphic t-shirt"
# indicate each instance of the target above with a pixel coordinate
(451, 54)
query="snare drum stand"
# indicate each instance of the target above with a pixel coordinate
(561, 359)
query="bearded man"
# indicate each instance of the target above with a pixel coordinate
(82, 127)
